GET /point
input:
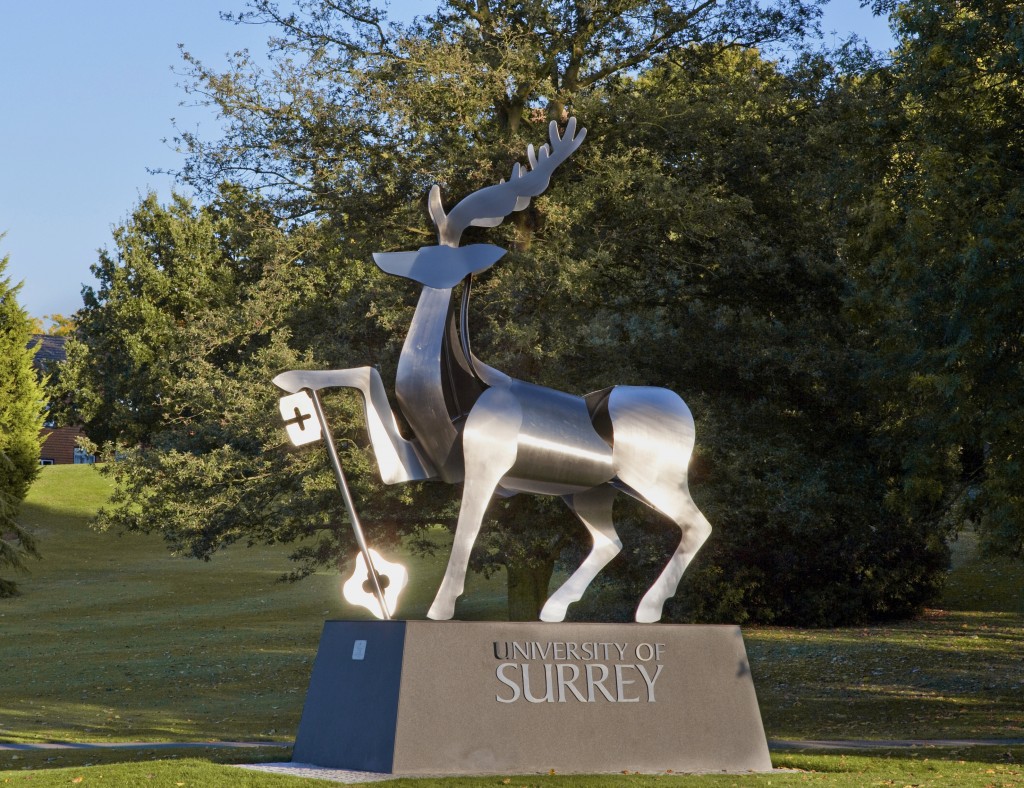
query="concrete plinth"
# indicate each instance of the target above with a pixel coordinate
(424, 697)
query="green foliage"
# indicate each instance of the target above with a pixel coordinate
(60, 325)
(21, 417)
(170, 364)
(937, 241)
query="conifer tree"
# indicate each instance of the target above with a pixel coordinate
(21, 404)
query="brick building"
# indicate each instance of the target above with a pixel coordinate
(59, 443)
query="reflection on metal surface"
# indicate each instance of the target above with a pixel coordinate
(498, 435)
(358, 589)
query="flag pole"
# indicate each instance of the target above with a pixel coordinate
(346, 495)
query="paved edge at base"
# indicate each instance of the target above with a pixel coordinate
(348, 776)
(345, 776)
(316, 772)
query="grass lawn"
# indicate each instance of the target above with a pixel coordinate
(114, 639)
(983, 768)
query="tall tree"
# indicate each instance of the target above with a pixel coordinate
(357, 105)
(939, 242)
(710, 265)
(21, 417)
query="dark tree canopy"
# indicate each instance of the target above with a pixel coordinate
(939, 242)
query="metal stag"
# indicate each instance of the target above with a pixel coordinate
(498, 435)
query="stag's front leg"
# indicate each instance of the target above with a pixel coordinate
(489, 445)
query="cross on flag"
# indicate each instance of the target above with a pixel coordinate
(300, 419)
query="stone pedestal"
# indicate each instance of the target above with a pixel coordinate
(448, 698)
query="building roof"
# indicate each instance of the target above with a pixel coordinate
(50, 350)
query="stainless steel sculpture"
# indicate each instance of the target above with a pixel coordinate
(498, 435)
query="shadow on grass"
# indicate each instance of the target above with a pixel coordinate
(1001, 755)
(946, 675)
(56, 759)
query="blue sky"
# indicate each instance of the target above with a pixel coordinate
(88, 92)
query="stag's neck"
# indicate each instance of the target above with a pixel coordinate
(435, 384)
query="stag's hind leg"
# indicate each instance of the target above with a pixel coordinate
(653, 440)
(489, 444)
(594, 508)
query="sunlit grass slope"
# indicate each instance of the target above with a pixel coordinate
(113, 638)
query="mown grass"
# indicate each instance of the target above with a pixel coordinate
(114, 639)
(955, 672)
(988, 767)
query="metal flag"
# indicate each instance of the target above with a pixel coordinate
(306, 422)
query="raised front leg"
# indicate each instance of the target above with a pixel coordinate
(489, 444)
(594, 508)
(397, 458)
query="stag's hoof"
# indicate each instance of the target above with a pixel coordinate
(553, 611)
(648, 613)
(440, 611)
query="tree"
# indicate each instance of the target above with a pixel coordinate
(938, 243)
(21, 408)
(60, 325)
(685, 245)
(358, 105)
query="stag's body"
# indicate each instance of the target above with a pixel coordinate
(496, 434)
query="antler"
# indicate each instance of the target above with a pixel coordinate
(489, 206)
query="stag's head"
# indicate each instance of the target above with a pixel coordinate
(447, 264)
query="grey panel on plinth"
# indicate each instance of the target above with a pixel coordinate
(501, 697)
(351, 708)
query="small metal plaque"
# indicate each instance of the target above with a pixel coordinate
(359, 649)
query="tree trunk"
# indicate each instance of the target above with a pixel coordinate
(528, 589)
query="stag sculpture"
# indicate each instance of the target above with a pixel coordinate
(498, 435)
